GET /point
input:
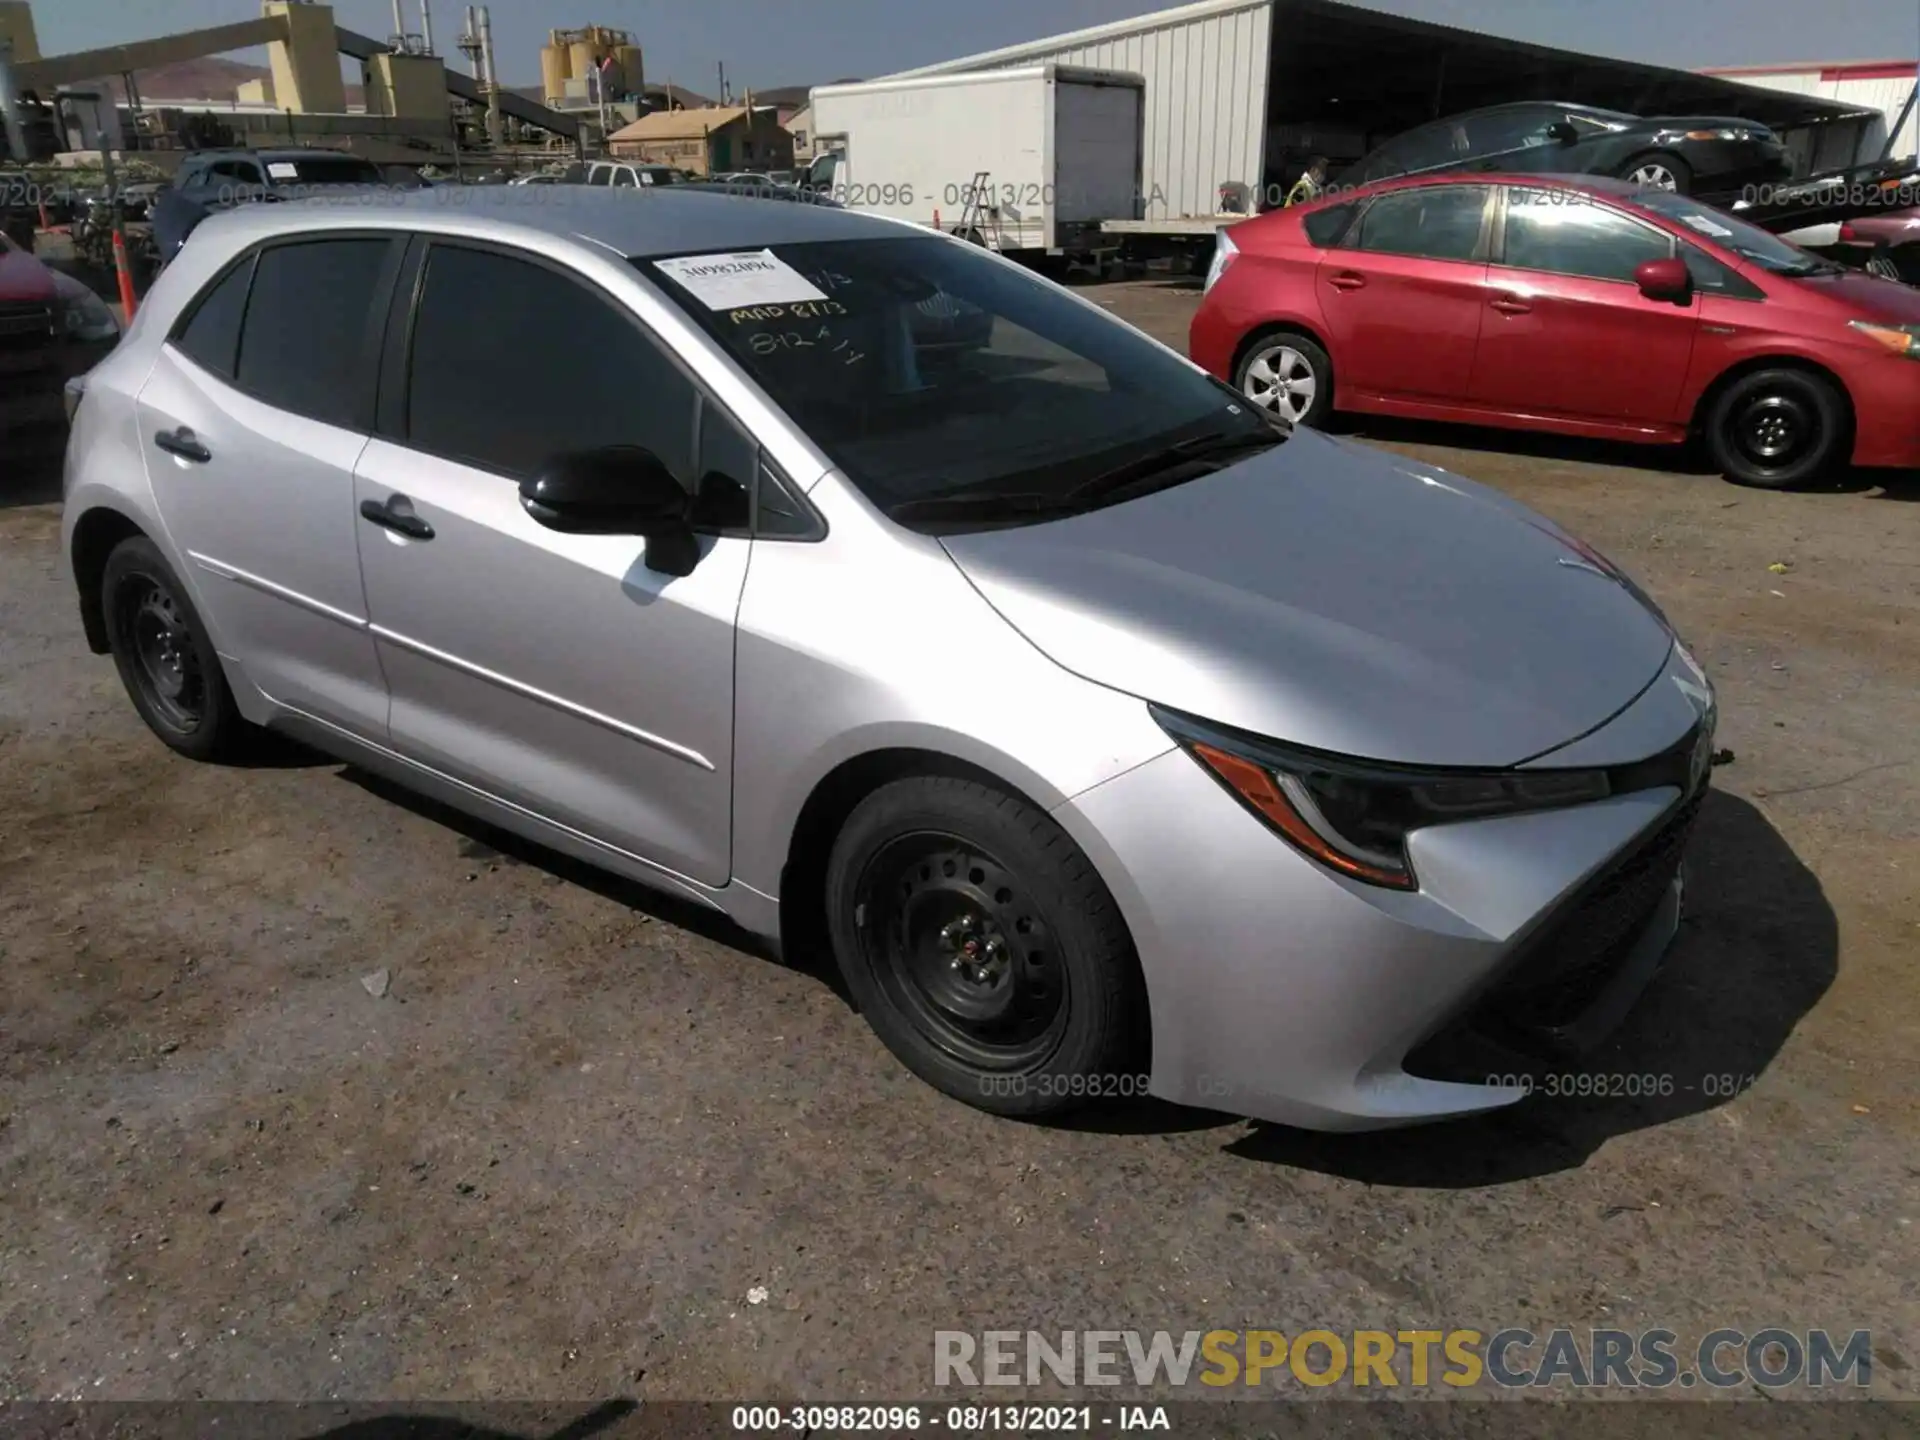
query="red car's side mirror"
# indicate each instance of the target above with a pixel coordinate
(1664, 280)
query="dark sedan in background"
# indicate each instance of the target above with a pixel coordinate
(1709, 156)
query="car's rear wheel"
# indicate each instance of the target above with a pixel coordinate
(1658, 170)
(1287, 375)
(163, 653)
(983, 948)
(1777, 429)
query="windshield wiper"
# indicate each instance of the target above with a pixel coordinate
(1163, 463)
(1802, 268)
(1207, 452)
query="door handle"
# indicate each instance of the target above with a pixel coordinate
(1510, 305)
(1348, 281)
(183, 442)
(396, 513)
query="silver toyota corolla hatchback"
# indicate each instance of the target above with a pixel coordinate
(851, 581)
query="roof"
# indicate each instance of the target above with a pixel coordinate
(662, 221)
(1827, 69)
(1093, 35)
(679, 124)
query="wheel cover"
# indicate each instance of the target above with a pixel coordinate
(166, 663)
(1654, 175)
(1280, 379)
(1775, 431)
(962, 950)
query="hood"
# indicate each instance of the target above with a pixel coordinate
(1336, 597)
(1863, 296)
(23, 278)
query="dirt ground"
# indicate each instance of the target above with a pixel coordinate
(583, 1124)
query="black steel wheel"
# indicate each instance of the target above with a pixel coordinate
(1776, 429)
(984, 950)
(163, 653)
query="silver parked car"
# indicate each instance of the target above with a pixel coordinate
(1111, 738)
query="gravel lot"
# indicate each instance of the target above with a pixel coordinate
(583, 1123)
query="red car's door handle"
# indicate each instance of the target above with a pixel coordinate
(1347, 280)
(1511, 305)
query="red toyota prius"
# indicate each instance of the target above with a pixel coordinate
(1569, 304)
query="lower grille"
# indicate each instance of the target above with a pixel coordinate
(25, 324)
(1566, 968)
(1570, 962)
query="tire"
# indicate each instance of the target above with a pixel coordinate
(1659, 162)
(984, 950)
(1777, 429)
(1289, 357)
(165, 658)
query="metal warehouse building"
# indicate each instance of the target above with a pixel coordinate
(1244, 91)
(1883, 87)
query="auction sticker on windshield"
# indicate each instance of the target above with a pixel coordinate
(1706, 226)
(283, 170)
(746, 277)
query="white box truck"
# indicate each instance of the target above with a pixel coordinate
(1027, 161)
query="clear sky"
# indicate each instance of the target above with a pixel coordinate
(784, 42)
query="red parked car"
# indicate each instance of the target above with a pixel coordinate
(51, 329)
(1570, 304)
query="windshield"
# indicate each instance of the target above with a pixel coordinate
(928, 371)
(1749, 242)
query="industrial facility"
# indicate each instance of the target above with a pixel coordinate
(1245, 92)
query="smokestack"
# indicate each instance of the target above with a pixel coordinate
(399, 27)
(16, 138)
(493, 76)
(426, 26)
(473, 47)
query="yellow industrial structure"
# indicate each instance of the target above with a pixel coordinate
(573, 56)
(16, 31)
(306, 68)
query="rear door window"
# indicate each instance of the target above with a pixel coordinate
(1438, 222)
(307, 344)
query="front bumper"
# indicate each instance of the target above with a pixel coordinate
(1282, 992)
(33, 382)
(1884, 389)
(1735, 169)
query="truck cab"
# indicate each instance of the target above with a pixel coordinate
(621, 174)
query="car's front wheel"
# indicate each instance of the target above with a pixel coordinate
(164, 655)
(1287, 375)
(1659, 171)
(1777, 429)
(984, 950)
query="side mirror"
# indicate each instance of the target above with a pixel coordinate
(1561, 132)
(1664, 280)
(616, 490)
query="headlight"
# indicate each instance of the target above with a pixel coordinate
(1354, 816)
(88, 318)
(1901, 339)
(1223, 252)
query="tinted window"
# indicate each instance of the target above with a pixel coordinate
(622, 176)
(1509, 129)
(575, 372)
(1438, 223)
(931, 370)
(211, 336)
(1325, 227)
(1565, 233)
(305, 346)
(1718, 279)
(728, 462)
(600, 175)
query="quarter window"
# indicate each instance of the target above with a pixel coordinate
(1564, 233)
(211, 335)
(514, 363)
(1440, 222)
(306, 344)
